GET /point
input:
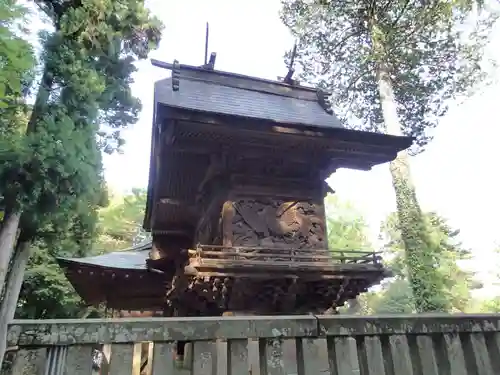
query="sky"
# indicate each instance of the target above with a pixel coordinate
(455, 176)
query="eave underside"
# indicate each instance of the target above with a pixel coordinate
(189, 141)
(117, 288)
(138, 290)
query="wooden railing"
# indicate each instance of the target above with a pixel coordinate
(302, 345)
(208, 260)
(265, 254)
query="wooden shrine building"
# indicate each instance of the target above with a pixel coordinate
(235, 203)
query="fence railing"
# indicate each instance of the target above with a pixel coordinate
(302, 345)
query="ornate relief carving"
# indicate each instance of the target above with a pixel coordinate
(275, 223)
(215, 295)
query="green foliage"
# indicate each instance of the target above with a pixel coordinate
(46, 293)
(394, 66)
(16, 55)
(120, 224)
(451, 283)
(430, 54)
(17, 63)
(489, 306)
(395, 297)
(50, 163)
(347, 229)
(83, 101)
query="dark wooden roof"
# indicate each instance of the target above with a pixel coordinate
(119, 279)
(199, 109)
(237, 95)
(123, 281)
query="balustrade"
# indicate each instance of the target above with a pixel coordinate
(284, 345)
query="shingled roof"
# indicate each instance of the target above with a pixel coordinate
(128, 259)
(121, 279)
(213, 91)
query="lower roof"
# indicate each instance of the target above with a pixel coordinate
(119, 279)
(133, 258)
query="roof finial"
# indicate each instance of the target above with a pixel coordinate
(206, 45)
(176, 75)
(208, 64)
(288, 78)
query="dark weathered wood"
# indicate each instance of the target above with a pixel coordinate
(242, 249)
(240, 81)
(279, 254)
(265, 130)
(276, 223)
(292, 274)
(261, 265)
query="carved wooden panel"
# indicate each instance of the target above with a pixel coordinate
(269, 222)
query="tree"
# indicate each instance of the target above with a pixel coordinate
(452, 283)
(46, 293)
(84, 93)
(120, 224)
(492, 303)
(17, 63)
(395, 297)
(347, 229)
(16, 55)
(88, 62)
(393, 66)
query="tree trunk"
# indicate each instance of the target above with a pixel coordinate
(10, 226)
(8, 235)
(424, 280)
(13, 288)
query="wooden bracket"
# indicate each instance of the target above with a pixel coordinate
(176, 75)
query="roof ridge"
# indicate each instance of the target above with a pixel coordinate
(253, 89)
(214, 72)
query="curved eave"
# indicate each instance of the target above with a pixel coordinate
(119, 279)
(119, 288)
(390, 143)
